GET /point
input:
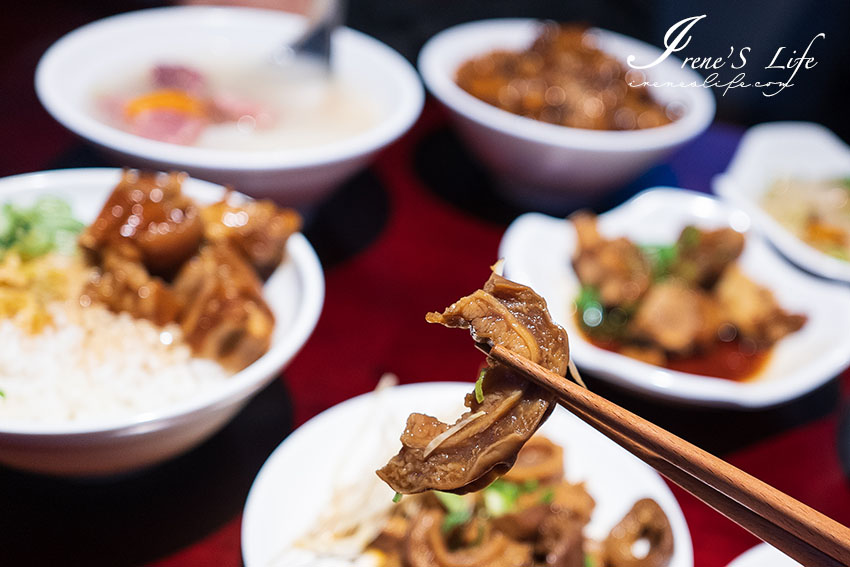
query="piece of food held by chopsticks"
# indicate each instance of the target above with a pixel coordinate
(504, 411)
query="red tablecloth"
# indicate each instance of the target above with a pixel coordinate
(427, 255)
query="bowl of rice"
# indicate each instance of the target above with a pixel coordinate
(90, 391)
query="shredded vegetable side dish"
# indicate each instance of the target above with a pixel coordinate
(817, 212)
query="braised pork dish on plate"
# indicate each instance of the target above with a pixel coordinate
(524, 514)
(710, 314)
(572, 498)
(685, 306)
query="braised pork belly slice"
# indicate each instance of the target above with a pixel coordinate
(258, 230)
(224, 315)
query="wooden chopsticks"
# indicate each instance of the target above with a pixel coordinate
(799, 531)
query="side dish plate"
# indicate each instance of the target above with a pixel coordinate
(295, 293)
(296, 482)
(785, 149)
(538, 249)
(763, 555)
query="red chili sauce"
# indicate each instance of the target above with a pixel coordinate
(735, 360)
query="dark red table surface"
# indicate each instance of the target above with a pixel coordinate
(427, 254)
(412, 234)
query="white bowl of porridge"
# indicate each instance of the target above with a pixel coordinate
(197, 89)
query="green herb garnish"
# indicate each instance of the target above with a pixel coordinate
(479, 386)
(46, 226)
(690, 237)
(588, 297)
(588, 561)
(458, 510)
(661, 259)
(501, 497)
(397, 498)
(548, 496)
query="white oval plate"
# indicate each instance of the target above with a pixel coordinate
(763, 555)
(295, 483)
(785, 149)
(538, 250)
(295, 293)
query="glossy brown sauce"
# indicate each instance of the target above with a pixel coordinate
(735, 360)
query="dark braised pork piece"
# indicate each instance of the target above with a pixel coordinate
(123, 284)
(676, 317)
(163, 258)
(703, 255)
(563, 78)
(645, 521)
(224, 316)
(483, 444)
(148, 219)
(257, 229)
(530, 517)
(425, 546)
(753, 309)
(665, 304)
(616, 267)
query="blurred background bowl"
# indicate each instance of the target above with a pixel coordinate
(75, 65)
(537, 163)
(295, 293)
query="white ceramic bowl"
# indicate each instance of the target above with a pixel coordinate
(297, 481)
(763, 555)
(785, 149)
(538, 250)
(295, 293)
(546, 162)
(70, 70)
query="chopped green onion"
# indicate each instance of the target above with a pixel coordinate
(661, 259)
(500, 498)
(588, 298)
(458, 510)
(690, 236)
(588, 561)
(548, 496)
(479, 386)
(34, 231)
(397, 498)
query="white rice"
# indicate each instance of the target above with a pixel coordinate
(92, 364)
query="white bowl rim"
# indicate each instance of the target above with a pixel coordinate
(763, 555)
(682, 530)
(386, 130)
(705, 390)
(695, 120)
(239, 386)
